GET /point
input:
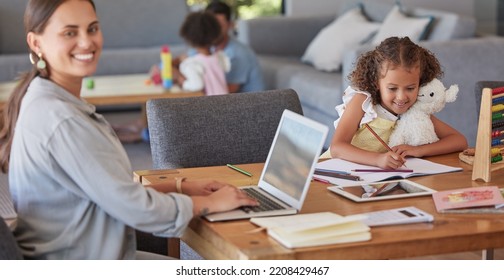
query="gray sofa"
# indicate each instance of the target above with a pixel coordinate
(281, 41)
(133, 33)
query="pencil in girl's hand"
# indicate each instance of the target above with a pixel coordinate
(379, 139)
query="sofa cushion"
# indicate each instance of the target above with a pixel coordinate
(398, 24)
(12, 35)
(445, 26)
(133, 23)
(325, 52)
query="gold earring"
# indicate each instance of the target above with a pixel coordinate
(32, 60)
(41, 64)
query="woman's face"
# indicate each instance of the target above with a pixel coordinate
(399, 89)
(72, 41)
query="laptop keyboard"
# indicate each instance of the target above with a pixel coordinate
(265, 203)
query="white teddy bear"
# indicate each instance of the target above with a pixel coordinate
(415, 126)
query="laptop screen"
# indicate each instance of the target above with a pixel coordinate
(295, 149)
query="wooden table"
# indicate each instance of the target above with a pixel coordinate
(449, 233)
(116, 90)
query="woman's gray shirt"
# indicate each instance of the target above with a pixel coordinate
(72, 185)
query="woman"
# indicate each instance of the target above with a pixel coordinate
(69, 175)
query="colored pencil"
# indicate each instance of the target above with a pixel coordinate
(321, 180)
(334, 171)
(239, 170)
(336, 175)
(379, 139)
(383, 170)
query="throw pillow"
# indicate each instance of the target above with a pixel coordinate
(348, 31)
(400, 25)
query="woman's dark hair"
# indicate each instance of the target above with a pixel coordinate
(390, 53)
(200, 29)
(37, 14)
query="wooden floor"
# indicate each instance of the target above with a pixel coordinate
(140, 157)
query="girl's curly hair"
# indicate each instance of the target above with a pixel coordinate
(390, 53)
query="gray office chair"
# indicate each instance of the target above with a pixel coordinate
(9, 249)
(215, 130)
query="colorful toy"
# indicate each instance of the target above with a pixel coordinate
(415, 126)
(166, 67)
(489, 141)
(90, 83)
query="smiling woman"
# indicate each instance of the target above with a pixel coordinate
(71, 44)
(70, 178)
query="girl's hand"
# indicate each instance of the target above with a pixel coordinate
(202, 187)
(390, 160)
(408, 151)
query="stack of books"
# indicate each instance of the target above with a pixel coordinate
(315, 229)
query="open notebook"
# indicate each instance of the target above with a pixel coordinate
(420, 167)
(288, 170)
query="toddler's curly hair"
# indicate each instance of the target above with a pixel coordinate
(200, 29)
(391, 53)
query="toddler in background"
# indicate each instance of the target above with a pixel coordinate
(204, 71)
(384, 85)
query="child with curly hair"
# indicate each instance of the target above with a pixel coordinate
(385, 84)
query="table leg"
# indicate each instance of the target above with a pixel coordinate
(487, 254)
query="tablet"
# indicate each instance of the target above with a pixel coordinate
(382, 190)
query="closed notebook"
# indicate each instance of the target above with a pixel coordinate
(474, 198)
(316, 229)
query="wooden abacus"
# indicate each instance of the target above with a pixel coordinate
(488, 129)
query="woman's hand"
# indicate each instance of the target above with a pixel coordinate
(390, 160)
(202, 187)
(224, 199)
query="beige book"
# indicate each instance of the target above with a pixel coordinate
(315, 229)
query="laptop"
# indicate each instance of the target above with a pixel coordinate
(288, 169)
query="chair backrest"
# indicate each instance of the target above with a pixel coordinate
(9, 249)
(478, 90)
(216, 130)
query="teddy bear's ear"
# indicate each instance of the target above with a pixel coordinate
(451, 93)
